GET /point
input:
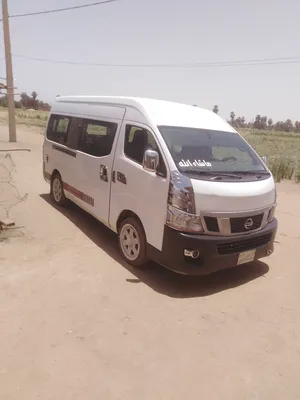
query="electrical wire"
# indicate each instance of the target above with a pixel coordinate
(240, 63)
(97, 3)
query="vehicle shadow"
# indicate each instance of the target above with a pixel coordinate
(155, 276)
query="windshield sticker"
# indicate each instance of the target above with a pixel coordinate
(195, 163)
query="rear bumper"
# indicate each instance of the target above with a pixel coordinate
(216, 252)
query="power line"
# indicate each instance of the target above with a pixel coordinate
(240, 63)
(97, 3)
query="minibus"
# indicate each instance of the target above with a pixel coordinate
(177, 183)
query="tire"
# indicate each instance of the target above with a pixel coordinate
(57, 191)
(132, 242)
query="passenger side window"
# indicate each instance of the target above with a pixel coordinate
(137, 141)
(58, 129)
(97, 137)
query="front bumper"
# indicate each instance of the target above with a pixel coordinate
(216, 252)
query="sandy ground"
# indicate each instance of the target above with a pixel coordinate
(77, 323)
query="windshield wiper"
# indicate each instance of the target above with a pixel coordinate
(214, 175)
(252, 172)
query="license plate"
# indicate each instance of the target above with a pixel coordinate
(246, 256)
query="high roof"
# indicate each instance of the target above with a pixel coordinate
(159, 112)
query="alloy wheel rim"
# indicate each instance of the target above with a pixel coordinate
(130, 242)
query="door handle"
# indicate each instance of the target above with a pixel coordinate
(121, 178)
(103, 173)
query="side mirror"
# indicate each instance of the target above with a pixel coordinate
(264, 158)
(151, 160)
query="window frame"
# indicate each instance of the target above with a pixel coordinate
(163, 171)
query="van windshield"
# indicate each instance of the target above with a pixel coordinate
(207, 152)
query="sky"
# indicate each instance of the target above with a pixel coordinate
(163, 32)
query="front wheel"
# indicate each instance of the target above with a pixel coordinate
(57, 190)
(132, 242)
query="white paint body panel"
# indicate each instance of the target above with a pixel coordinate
(145, 193)
(212, 196)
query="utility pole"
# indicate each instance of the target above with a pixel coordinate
(9, 74)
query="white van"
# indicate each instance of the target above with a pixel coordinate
(177, 183)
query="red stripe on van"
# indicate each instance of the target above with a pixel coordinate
(80, 195)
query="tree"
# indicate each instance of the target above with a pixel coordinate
(23, 95)
(240, 122)
(278, 126)
(288, 126)
(264, 123)
(34, 95)
(216, 109)
(270, 123)
(24, 99)
(232, 116)
(257, 123)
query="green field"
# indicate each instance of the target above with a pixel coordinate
(281, 148)
(26, 117)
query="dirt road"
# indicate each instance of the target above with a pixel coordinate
(77, 323)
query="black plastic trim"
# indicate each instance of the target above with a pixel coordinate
(121, 178)
(64, 150)
(209, 260)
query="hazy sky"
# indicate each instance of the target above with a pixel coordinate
(164, 31)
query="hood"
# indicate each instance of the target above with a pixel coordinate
(212, 196)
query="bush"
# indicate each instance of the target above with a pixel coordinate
(282, 169)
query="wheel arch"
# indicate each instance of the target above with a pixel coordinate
(128, 214)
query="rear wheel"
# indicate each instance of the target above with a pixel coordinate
(57, 190)
(132, 242)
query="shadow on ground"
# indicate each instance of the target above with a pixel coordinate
(158, 278)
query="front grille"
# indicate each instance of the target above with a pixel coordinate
(211, 224)
(243, 245)
(238, 225)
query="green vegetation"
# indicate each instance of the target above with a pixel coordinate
(282, 150)
(26, 102)
(26, 117)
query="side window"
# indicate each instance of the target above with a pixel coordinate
(58, 129)
(137, 141)
(74, 133)
(97, 137)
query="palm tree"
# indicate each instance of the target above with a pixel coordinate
(24, 99)
(216, 109)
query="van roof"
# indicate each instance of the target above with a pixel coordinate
(159, 112)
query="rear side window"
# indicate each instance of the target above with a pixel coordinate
(58, 129)
(97, 137)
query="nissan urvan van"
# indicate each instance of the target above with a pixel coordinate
(177, 183)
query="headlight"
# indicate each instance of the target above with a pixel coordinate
(181, 194)
(271, 215)
(183, 221)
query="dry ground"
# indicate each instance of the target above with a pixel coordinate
(77, 323)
